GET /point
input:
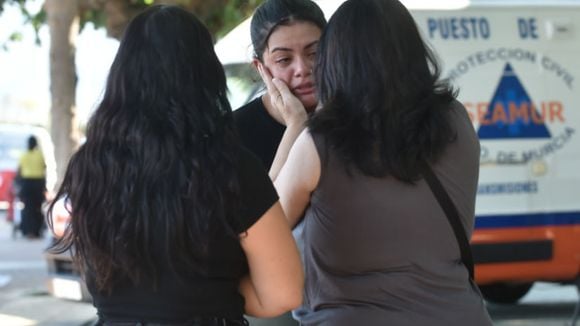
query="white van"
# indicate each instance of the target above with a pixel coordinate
(515, 64)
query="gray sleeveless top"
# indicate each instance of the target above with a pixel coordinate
(378, 251)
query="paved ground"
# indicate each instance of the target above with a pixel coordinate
(24, 299)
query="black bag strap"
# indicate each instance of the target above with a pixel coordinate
(452, 216)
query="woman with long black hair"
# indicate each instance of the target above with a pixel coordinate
(172, 221)
(378, 247)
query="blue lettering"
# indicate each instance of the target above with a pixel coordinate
(533, 28)
(432, 26)
(473, 22)
(444, 29)
(528, 28)
(454, 28)
(458, 28)
(484, 28)
(465, 29)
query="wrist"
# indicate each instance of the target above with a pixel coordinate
(296, 124)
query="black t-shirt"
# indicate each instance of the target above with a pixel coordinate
(259, 132)
(213, 295)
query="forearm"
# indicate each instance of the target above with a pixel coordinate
(254, 307)
(275, 280)
(252, 303)
(292, 132)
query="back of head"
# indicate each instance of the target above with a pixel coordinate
(166, 89)
(157, 168)
(378, 81)
(372, 45)
(32, 143)
(273, 13)
(166, 58)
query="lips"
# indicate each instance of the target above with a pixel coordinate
(304, 89)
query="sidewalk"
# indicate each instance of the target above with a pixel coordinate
(24, 299)
(44, 310)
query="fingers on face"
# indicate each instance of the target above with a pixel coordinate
(277, 89)
(266, 77)
(282, 88)
(273, 90)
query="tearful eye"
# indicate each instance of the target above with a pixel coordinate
(283, 61)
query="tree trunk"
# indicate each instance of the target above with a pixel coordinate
(63, 22)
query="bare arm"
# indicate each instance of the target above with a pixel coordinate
(298, 178)
(276, 279)
(288, 138)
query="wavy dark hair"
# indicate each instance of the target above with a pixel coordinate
(274, 13)
(384, 106)
(157, 172)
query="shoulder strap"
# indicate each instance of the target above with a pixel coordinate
(452, 216)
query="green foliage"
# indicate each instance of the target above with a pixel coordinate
(4, 2)
(14, 37)
(220, 19)
(234, 12)
(36, 20)
(96, 17)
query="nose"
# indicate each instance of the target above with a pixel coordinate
(303, 67)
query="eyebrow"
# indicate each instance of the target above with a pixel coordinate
(309, 45)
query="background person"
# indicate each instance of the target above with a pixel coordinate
(31, 180)
(378, 248)
(172, 220)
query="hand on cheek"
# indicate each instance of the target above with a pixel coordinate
(289, 106)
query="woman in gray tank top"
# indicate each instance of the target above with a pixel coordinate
(378, 249)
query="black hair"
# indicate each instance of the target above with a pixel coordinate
(32, 143)
(273, 13)
(384, 107)
(156, 174)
